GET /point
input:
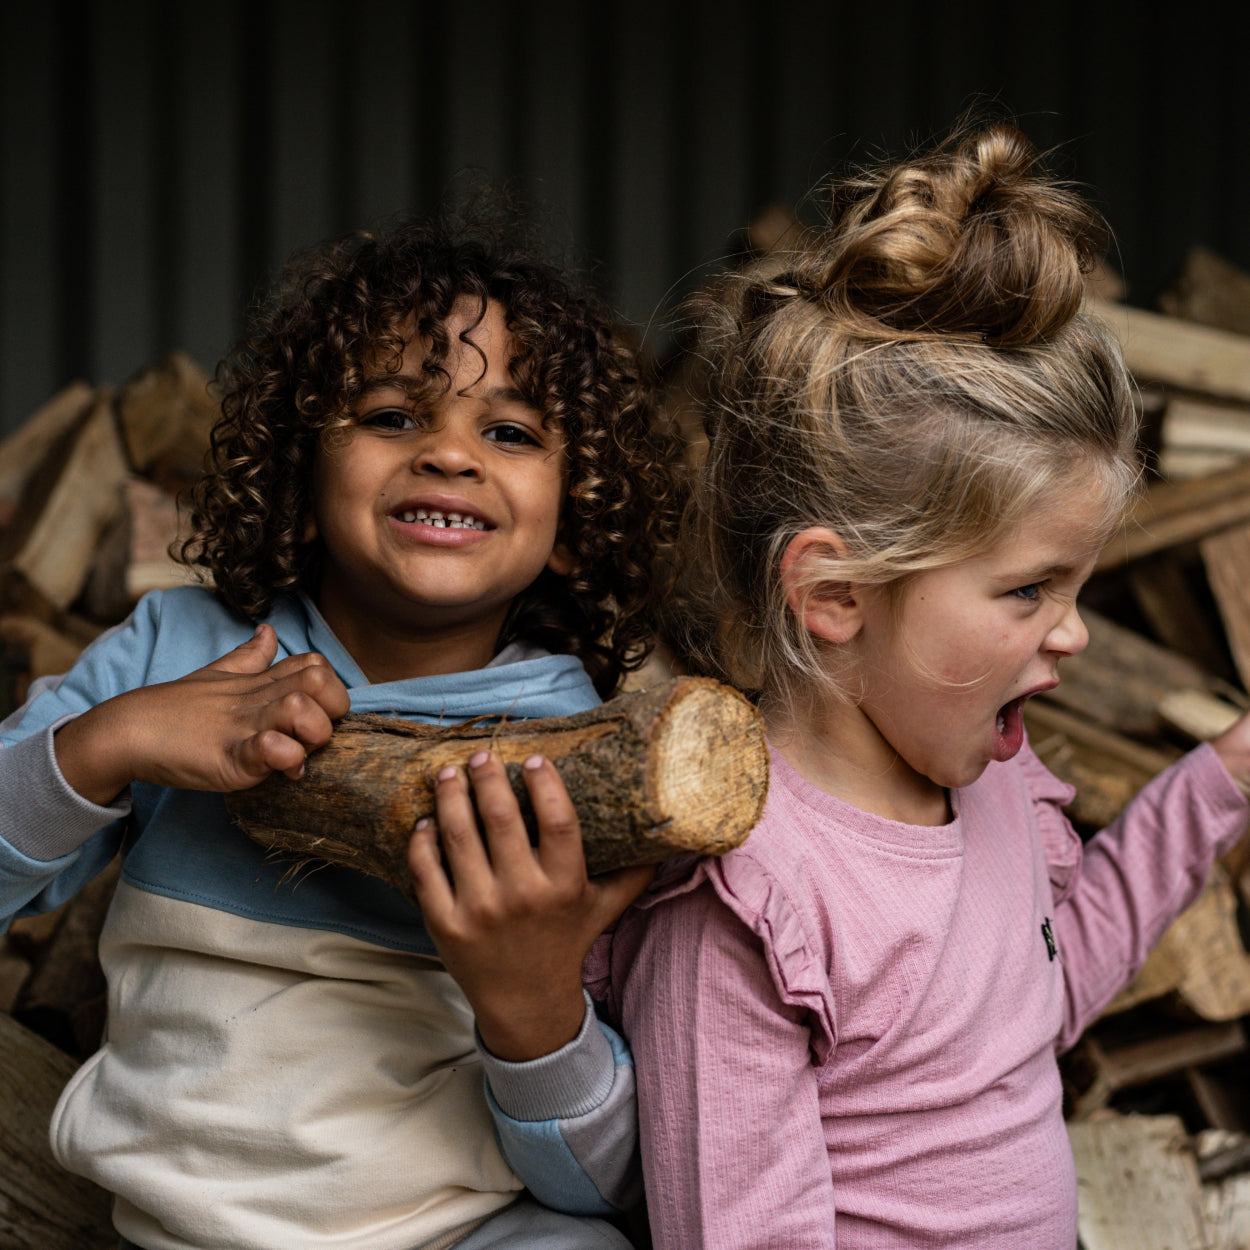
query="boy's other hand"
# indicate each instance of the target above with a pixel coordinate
(512, 921)
(224, 727)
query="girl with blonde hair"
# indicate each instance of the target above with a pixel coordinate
(846, 1029)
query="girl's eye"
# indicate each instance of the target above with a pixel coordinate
(1029, 592)
(513, 435)
(388, 419)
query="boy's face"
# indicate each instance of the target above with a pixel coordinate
(437, 507)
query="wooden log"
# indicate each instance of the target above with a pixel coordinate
(1227, 560)
(1171, 513)
(27, 447)
(1179, 354)
(1106, 768)
(133, 557)
(1137, 1185)
(1096, 1071)
(677, 770)
(42, 1207)
(1210, 290)
(1120, 678)
(1200, 961)
(166, 414)
(65, 997)
(1170, 589)
(73, 498)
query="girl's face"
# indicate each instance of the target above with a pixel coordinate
(435, 511)
(947, 670)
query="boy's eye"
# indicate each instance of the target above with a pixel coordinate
(1029, 592)
(388, 419)
(513, 435)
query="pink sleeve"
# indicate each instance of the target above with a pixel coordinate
(733, 1149)
(1137, 875)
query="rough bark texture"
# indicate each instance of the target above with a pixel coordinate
(677, 770)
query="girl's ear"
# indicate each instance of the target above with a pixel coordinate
(830, 610)
(560, 560)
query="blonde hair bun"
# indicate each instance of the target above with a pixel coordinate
(969, 240)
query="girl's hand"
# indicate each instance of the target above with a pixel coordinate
(222, 728)
(513, 922)
(1233, 748)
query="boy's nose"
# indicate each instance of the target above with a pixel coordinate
(1070, 636)
(448, 452)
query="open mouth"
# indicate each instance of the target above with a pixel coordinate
(442, 520)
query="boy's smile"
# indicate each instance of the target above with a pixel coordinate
(436, 507)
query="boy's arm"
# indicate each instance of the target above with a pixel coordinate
(512, 924)
(567, 1122)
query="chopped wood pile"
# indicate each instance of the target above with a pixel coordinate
(1157, 1089)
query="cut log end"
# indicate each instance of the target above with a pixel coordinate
(709, 770)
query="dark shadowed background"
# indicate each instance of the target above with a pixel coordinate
(159, 157)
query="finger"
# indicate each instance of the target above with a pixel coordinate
(253, 656)
(433, 889)
(467, 862)
(560, 848)
(269, 752)
(298, 714)
(503, 826)
(312, 674)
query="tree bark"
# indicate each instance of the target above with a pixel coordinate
(677, 770)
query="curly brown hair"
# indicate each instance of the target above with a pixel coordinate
(359, 300)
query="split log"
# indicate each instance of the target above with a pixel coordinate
(1200, 961)
(1096, 1071)
(42, 1207)
(1171, 513)
(1121, 677)
(65, 997)
(1179, 354)
(1137, 1185)
(681, 769)
(72, 499)
(166, 414)
(1227, 560)
(133, 557)
(1210, 290)
(28, 447)
(1106, 768)
(1170, 590)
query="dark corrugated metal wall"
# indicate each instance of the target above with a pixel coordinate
(158, 157)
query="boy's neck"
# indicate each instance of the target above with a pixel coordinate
(386, 653)
(840, 751)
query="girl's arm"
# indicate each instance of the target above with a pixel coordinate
(733, 1149)
(512, 923)
(1140, 872)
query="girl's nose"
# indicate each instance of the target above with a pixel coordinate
(1070, 636)
(447, 451)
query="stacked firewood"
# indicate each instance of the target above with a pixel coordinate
(1157, 1090)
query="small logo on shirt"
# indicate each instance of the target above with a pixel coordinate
(1049, 934)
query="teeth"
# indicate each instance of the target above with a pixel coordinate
(1002, 723)
(443, 520)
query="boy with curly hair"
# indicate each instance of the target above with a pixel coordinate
(436, 491)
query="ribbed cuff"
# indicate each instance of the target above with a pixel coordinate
(569, 1082)
(41, 814)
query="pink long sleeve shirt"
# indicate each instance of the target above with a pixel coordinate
(845, 1031)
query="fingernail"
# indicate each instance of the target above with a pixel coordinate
(478, 759)
(533, 764)
(446, 774)
(423, 824)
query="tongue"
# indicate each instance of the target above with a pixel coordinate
(1009, 737)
